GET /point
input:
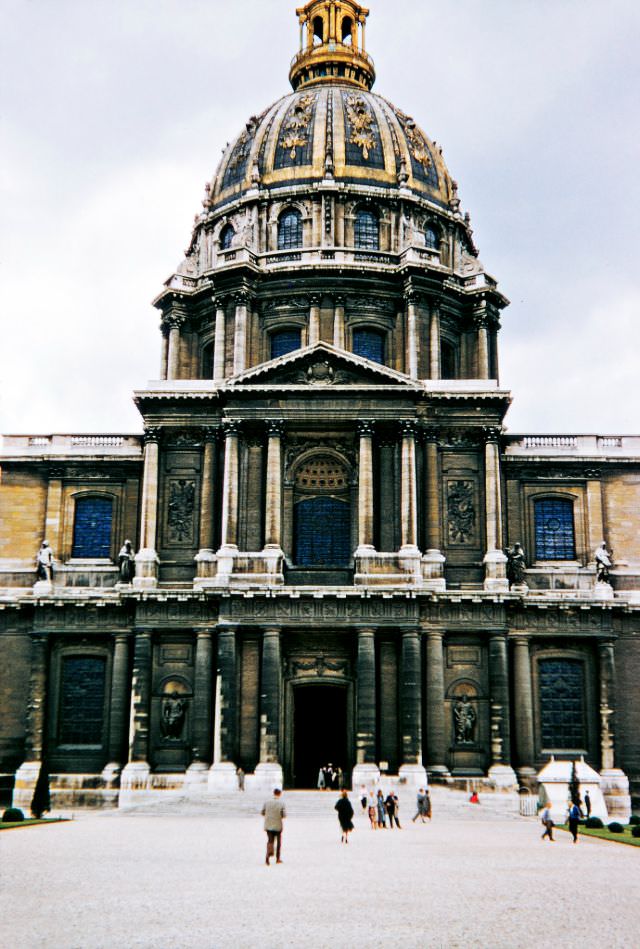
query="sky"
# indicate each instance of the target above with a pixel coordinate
(114, 113)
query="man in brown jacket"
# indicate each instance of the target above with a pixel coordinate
(274, 813)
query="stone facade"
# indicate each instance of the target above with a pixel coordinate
(321, 502)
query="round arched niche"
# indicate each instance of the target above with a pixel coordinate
(175, 693)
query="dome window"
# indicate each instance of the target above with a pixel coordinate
(290, 230)
(226, 237)
(284, 341)
(431, 238)
(318, 31)
(347, 31)
(369, 344)
(366, 231)
(207, 361)
(448, 361)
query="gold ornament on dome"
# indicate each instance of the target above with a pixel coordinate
(361, 121)
(297, 125)
(417, 144)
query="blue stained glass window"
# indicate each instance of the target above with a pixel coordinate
(366, 231)
(284, 341)
(82, 700)
(92, 527)
(370, 344)
(290, 230)
(322, 532)
(554, 532)
(226, 237)
(562, 703)
(431, 238)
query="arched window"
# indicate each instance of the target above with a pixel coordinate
(81, 714)
(322, 514)
(290, 230)
(370, 344)
(554, 531)
(226, 237)
(448, 361)
(366, 230)
(206, 361)
(561, 684)
(347, 28)
(284, 341)
(431, 237)
(92, 527)
(318, 31)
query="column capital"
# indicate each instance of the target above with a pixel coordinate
(271, 631)
(408, 428)
(406, 631)
(434, 634)
(366, 631)
(366, 428)
(219, 300)
(152, 434)
(520, 640)
(175, 320)
(242, 297)
(231, 428)
(121, 637)
(210, 433)
(275, 427)
(203, 633)
(412, 297)
(430, 434)
(339, 300)
(315, 299)
(492, 433)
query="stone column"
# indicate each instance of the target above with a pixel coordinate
(147, 558)
(433, 561)
(164, 352)
(219, 341)
(495, 575)
(202, 701)
(412, 335)
(205, 558)
(314, 320)
(135, 776)
(411, 709)
(523, 701)
(119, 707)
(229, 530)
(27, 774)
(365, 486)
(435, 708)
(222, 773)
(273, 512)
(500, 771)
(614, 782)
(240, 334)
(269, 770)
(174, 322)
(481, 322)
(366, 769)
(434, 343)
(408, 495)
(338, 323)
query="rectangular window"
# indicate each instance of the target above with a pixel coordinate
(82, 700)
(554, 532)
(92, 528)
(562, 703)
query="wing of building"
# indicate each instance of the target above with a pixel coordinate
(321, 505)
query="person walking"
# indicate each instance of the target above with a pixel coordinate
(363, 797)
(321, 784)
(547, 823)
(274, 813)
(240, 777)
(372, 809)
(420, 804)
(382, 814)
(427, 803)
(574, 820)
(587, 804)
(392, 805)
(345, 816)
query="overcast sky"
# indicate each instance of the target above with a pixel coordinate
(114, 113)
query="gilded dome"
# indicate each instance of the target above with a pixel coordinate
(332, 131)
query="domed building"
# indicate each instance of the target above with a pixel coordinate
(323, 501)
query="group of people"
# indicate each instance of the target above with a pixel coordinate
(574, 816)
(330, 778)
(380, 808)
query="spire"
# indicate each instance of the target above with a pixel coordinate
(332, 45)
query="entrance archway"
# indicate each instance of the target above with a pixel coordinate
(320, 732)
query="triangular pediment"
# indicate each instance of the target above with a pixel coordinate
(321, 365)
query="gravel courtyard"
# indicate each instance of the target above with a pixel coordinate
(184, 875)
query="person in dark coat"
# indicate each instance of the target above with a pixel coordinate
(393, 806)
(574, 820)
(587, 803)
(345, 816)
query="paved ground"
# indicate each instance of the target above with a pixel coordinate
(185, 876)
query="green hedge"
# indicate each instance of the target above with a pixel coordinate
(12, 815)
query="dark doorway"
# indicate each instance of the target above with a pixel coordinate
(319, 732)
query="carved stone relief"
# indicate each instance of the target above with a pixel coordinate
(180, 511)
(461, 512)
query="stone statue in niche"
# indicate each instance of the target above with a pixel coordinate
(174, 711)
(126, 562)
(464, 718)
(182, 497)
(44, 562)
(516, 565)
(461, 513)
(603, 561)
